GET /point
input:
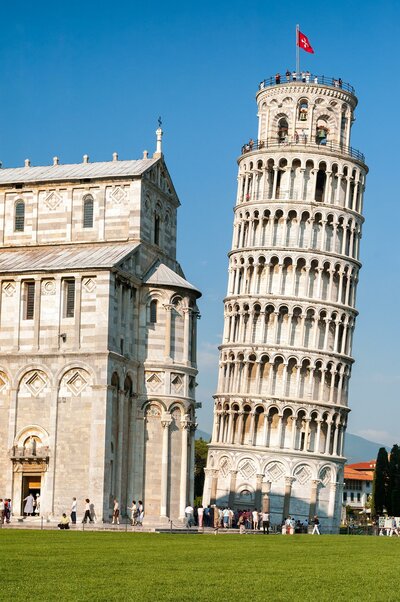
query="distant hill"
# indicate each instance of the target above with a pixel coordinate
(356, 449)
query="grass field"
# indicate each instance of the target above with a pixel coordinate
(59, 565)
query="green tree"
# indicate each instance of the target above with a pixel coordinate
(393, 493)
(380, 483)
(200, 460)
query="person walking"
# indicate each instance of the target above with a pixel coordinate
(134, 513)
(316, 526)
(28, 508)
(115, 516)
(87, 517)
(37, 509)
(1, 511)
(255, 519)
(140, 514)
(265, 522)
(7, 509)
(73, 510)
(189, 519)
(200, 515)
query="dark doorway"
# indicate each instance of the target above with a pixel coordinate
(30, 484)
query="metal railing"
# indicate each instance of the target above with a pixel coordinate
(306, 78)
(301, 142)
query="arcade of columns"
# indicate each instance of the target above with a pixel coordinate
(285, 362)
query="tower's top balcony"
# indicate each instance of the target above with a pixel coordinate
(305, 77)
(302, 143)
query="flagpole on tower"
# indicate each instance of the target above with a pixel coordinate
(297, 49)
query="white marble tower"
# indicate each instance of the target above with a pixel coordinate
(285, 363)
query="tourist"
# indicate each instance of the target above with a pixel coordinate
(134, 513)
(189, 518)
(287, 75)
(64, 522)
(115, 515)
(340, 83)
(265, 522)
(200, 516)
(296, 136)
(316, 79)
(226, 514)
(255, 519)
(278, 78)
(73, 510)
(1, 511)
(308, 74)
(294, 76)
(251, 143)
(241, 525)
(303, 77)
(140, 514)
(316, 526)
(220, 517)
(87, 516)
(207, 516)
(28, 508)
(7, 509)
(37, 504)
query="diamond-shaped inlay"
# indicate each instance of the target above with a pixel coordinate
(177, 382)
(35, 383)
(224, 467)
(76, 383)
(118, 194)
(276, 471)
(153, 412)
(303, 474)
(9, 288)
(153, 381)
(247, 469)
(89, 284)
(53, 200)
(325, 476)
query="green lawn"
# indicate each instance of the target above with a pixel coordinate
(59, 565)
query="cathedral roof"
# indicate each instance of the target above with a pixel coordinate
(64, 257)
(161, 275)
(75, 171)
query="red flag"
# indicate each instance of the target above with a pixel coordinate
(303, 43)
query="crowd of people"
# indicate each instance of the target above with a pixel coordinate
(303, 76)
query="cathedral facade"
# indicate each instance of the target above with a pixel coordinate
(281, 406)
(97, 339)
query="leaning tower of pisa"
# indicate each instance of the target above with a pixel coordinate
(285, 361)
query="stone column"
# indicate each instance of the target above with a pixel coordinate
(257, 497)
(193, 428)
(328, 436)
(185, 425)
(318, 437)
(279, 434)
(232, 488)
(294, 432)
(332, 500)
(313, 499)
(165, 423)
(286, 500)
(266, 489)
(214, 485)
(167, 344)
(118, 471)
(186, 334)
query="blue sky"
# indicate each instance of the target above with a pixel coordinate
(80, 77)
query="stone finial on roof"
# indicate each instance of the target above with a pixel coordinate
(145, 154)
(159, 134)
(27, 162)
(56, 161)
(86, 158)
(115, 156)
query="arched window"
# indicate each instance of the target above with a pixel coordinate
(156, 230)
(283, 128)
(153, 311)
(88, 212)
(19, 222)
(303, 110)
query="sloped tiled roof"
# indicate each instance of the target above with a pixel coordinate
(75, 171)
(161, 275)
(357, 475)
(65, 257)
(363, 465)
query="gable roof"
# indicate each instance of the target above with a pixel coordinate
(161, 275)
(64, 257)
(75, 171)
